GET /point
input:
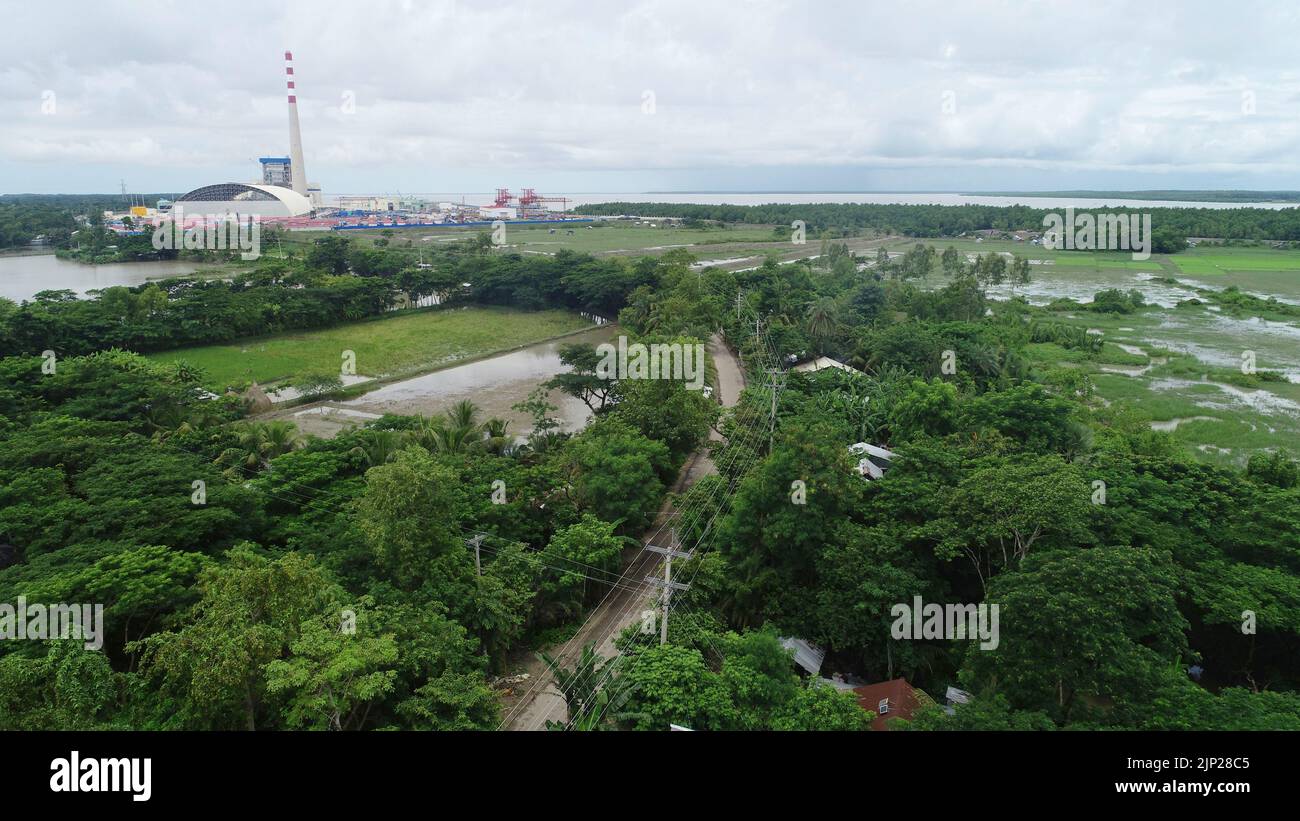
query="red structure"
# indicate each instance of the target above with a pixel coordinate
(890, 700)
(530, 199)
(530, 202)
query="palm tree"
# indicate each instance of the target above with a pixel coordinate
(498, 440)
(427, 433)
(457, 439)
(464, 414)
(257, 443)
(378, 446)
(822, 319)
(279, 437)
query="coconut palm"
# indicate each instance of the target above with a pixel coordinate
(457, 439)
(822, 319)
(257, 443)
(378, 447)
(464, 414)
(427, 433)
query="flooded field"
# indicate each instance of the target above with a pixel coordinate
(1182, 366)
(494, 385)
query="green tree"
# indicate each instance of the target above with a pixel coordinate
(333, 677)
(250, 612)
(409, 514)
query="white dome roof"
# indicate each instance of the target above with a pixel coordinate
(246, 197)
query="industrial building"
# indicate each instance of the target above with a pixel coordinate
(277, 171)
(244, 199)
(282, 191)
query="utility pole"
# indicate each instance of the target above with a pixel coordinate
(771, 429)
(666, 583)
(478, 561)
(739, 297)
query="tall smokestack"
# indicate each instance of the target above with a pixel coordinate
(298, 169)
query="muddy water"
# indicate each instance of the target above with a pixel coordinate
(494, 385)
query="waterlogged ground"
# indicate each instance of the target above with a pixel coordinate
(1182, 366)
(495, 385)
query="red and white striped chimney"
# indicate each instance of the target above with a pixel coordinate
(298, 170)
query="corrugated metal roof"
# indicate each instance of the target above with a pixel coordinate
(806, 654)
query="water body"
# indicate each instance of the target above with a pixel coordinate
(23, 277)
(1046, 285)
(882, 198)
(494, 385)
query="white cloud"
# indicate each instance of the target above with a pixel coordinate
(174, 90)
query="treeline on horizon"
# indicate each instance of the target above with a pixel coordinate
(1170, 195)
(954, 220)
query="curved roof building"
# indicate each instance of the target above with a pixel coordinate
(244, 199)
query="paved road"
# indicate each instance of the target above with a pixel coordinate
(541, 700)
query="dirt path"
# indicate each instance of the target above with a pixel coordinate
(537, 700)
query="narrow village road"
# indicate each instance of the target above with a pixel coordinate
(539, 700)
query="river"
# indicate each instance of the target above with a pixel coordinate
(841, 197)
(22, 277)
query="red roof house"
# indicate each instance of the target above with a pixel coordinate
(890, 700)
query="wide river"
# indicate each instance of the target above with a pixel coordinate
(842, 197)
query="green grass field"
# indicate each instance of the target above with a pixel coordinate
(383, 347)
(1251, 269)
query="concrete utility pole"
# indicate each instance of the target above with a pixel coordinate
(666, 583)
(478, 562)
(771, 427)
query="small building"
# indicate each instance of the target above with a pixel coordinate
(806, 654)
(891, 700)
(955, 697)
(821, 363)
(873, 461)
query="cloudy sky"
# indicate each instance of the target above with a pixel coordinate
(610, 96)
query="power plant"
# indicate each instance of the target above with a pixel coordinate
(283, 194)
(297, 168)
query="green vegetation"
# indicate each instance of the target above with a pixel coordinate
(383, 347)
(1140, 587)
(955, 220)
(623, 237)
(1176, 195)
